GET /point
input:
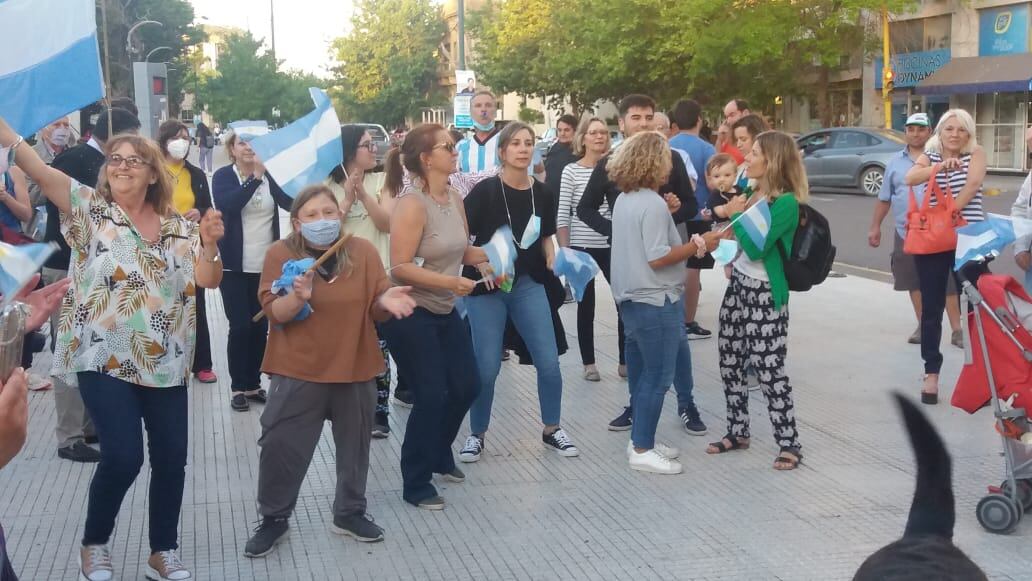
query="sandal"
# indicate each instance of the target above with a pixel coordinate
(788, 459)
(733, 444)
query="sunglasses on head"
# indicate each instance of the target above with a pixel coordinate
(447, 146)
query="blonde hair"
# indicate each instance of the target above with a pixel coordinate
(642, 162)
(229, 141)
(785, 171)
(935, 143)
(159, 194)
(582, 132)
(296, 242)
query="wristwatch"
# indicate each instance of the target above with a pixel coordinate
(214, 259)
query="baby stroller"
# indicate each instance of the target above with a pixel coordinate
(998, 369)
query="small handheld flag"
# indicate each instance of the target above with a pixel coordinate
(17, 265)
(756, 222)
(284, 285)
(501, 252)
(578, 267)
(307, 150)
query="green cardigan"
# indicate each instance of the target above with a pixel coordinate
(784, 219)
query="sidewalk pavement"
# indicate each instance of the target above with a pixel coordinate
(526, 513)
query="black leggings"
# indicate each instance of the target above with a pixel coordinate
(933, 272)
(586, 311)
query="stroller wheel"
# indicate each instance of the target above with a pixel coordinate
(997, 513)
(1024, 496)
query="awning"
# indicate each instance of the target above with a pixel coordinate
(985, 74)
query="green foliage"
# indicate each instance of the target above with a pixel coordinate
(387, 65)
(531, 116)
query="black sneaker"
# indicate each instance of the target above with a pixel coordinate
(561, 443)
(259, 396)
(455, 475)
(694, 331)
(380, 428)
(79, 452)
(691, 421)
(357, 526)
(403, 398)
(266, 536)
(472, 449)
(622, 423)
(239, 402)
(94, 439)
(432, 503)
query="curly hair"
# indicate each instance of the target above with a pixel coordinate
(641, 162)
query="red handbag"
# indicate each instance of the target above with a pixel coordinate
(932, 229)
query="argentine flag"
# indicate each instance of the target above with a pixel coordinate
(756, 222)
(501, 253)
(248, 130)
(18, 264)
(578, 267)
(304, 152)
(988, 238)
(50, 64)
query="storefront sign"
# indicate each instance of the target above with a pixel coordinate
(461, 111)
(1003, 30)
(912, 67)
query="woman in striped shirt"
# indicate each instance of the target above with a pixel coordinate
(956, 160)
(590, 143)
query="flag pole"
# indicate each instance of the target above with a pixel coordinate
(107, 64)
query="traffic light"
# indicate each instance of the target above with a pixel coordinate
(887, 79)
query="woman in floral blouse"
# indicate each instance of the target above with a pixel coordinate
(126, 331)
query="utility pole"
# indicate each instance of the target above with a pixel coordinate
(460, 9)
(887, 74)
(272, 27)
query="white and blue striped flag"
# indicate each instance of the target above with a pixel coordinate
(18, 264)
(247, 129)
(50, 65)
(578, 267)
(988, 237)
(501, 253)
(307, 150)
(756, 222)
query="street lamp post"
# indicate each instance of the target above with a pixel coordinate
(160, 48)
(129, 35)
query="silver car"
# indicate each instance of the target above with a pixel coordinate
(849, 158)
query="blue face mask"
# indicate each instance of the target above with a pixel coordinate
(489, 126)
(321, 232)
(726, 252)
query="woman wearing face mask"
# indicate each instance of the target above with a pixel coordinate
(191, 198)
(315, 378)
(367, 214)
(516, 200)
(248, 198)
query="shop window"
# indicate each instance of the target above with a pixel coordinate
(906, 36)
(937, 32)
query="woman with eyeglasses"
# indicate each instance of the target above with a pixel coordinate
(249, 200)
(366, 206)
(126, 332)
(515, 199)
(192, 199)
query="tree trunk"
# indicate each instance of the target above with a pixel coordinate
(823, 104)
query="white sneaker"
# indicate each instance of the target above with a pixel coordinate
(653, 461)
(662, 449)
(95, 563)
(166, 566)
(472, 449)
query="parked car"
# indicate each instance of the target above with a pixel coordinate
(545, 141)
(849, 158)
(380, 138)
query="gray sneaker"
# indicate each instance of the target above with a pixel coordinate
(359, 527)
(432, 503)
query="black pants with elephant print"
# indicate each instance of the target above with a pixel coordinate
(753, 333)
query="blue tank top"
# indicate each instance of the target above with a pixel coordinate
(7, 218)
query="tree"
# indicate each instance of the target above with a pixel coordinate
(387, 64)
(247, 85)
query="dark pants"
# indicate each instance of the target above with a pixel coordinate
(439, 351)
(933, 272)
(586, 311)
(246, 345)
(117, 408)
(202, 351)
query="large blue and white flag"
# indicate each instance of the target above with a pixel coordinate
(988, 237)
(578, 267)
(247, 129)
(756, 222)
(307, 150)
(50, 65)
(18, 264)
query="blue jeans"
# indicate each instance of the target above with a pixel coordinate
(436, 354)
(657, 355)
(118, 409)
(528, 308)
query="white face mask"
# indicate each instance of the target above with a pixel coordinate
(178, 148)
(60, 135)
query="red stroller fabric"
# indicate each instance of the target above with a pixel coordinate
(1013, 374)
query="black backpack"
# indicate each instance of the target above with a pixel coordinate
(812, 251)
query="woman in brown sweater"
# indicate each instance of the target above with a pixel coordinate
(323, 365)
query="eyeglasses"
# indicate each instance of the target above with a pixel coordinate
(447, 146)
(132, 161)
(368, 145)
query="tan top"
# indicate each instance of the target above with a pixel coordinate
(337, 343)
(358, 222)
(441, 248)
